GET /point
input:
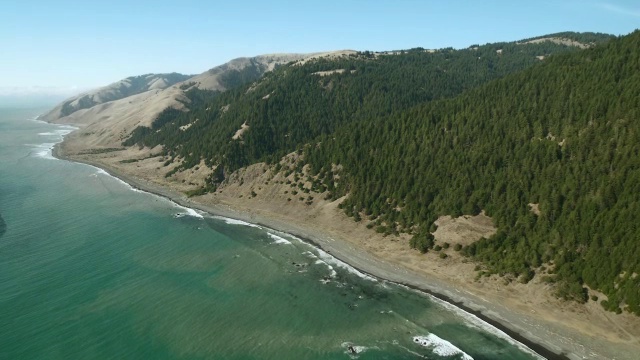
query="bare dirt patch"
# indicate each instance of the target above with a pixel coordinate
(535, 208)
(238, 135)
(464, 230)
(329, 72)
(559, 41)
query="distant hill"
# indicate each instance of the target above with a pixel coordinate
(109, 122)
(124, 88)
(583, 40)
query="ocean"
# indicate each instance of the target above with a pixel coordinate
(91, 268)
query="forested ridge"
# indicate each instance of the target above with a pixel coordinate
(422, 134)
(586, 38)
(294, 104)
(563, 135)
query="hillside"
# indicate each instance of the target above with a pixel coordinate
(106, 124)
(296, 103)
(121, 89)
(547, 152)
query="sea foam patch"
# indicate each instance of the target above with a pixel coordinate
(279, 239)
(100, 171)
(475, 322)
(236, 222)
(333, 272)
(44, 150)
(440, 346)
(59, 132)
(352, 349)
(185, 210)
(190, 212)
(319, 261)
(334, 261)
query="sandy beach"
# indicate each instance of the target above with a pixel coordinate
(527, 313)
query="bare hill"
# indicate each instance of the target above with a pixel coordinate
(106, 123)
(130, 86)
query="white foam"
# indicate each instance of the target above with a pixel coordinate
(44, 150)
(310, 254)
(440, 346)
(236, 222)
(334, 261)
(322, 262)
(103, 172)
(186, 211)
(357, 349)
(474, 321)
(331, 269)
(61, 133)
(279, 239)
(100, 171)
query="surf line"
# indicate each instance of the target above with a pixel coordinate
(188, 211)
(51, 152)
(502, 331)
(475, 317)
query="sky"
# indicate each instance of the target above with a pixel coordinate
(57, 48)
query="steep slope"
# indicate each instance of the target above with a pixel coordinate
(550, 153)
(124, 88)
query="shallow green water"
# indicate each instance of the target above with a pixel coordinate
(90, 269)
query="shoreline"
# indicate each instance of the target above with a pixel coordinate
(368, 265)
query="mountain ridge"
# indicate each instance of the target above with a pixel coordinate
(112, 121)
(124, 88)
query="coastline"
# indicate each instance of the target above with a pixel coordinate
(358, 259)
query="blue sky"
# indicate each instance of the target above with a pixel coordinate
(59, 46)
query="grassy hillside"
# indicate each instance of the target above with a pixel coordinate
(121, 89)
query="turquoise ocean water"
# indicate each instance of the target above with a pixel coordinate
(92, 269)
